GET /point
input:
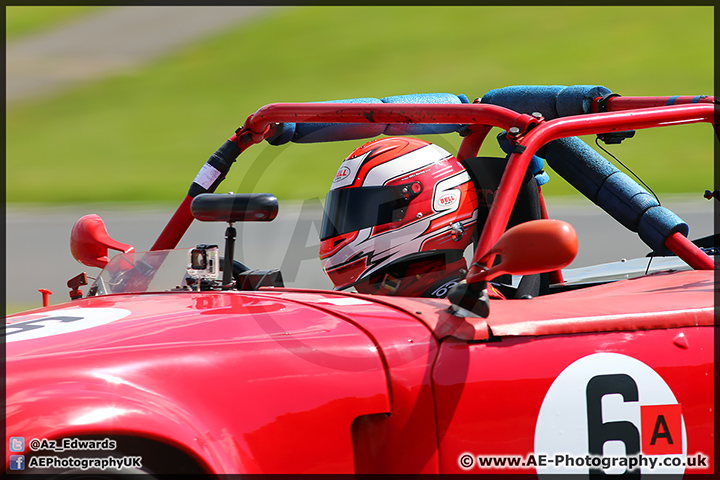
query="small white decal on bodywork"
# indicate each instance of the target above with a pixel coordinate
(57, 322)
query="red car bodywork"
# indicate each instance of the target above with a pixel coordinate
(283, 380)
(237, 380)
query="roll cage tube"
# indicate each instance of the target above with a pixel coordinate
(526, 145)
(615, 102)
(207, 180)
(474, 113)
(263, 124)
(530, 133)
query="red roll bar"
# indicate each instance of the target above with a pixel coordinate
(260, 126)
(574, 126)
(531, 133)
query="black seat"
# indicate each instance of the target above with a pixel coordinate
(486, 173)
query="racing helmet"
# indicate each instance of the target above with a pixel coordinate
(395, 202)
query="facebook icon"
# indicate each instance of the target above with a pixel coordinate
(17, 462)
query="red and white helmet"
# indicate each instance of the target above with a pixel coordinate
(392, 202)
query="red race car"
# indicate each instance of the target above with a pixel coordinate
(187, 361)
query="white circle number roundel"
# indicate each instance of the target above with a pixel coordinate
(64, 320)
(608, 413)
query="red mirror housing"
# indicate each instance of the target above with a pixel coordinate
(532, 247)
(89, 242)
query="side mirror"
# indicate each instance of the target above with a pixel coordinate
(532, 247)
(89, 242)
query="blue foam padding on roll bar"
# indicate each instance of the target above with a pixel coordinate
(542, 178)
(657, 224)
(284, 134)
(599, 180)
(552, 101)
(526, 98)
(536, 163)
(625, 200)
(577, 99)
(330, 132)
(579, 164)
(611, 189)
(433, 98)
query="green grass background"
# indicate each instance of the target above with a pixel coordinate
(142, 134)
(22, 20)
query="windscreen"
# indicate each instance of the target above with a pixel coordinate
(138, 272)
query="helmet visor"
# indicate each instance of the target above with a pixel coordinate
(352, 209)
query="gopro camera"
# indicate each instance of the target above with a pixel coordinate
(204, 262)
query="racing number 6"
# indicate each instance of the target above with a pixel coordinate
(599, 432)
